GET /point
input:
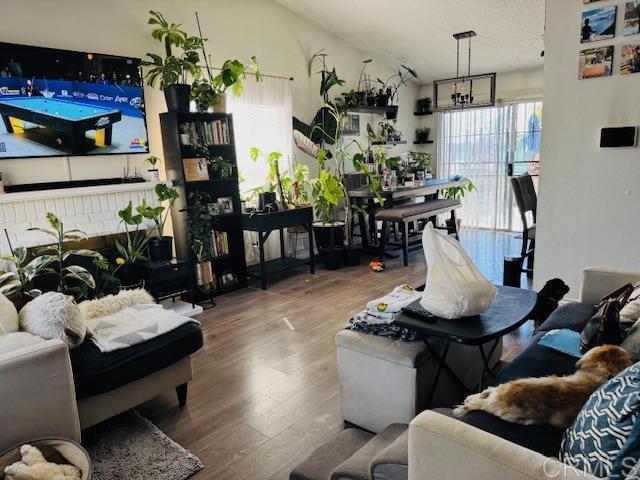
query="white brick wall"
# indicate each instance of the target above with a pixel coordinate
(91, 209)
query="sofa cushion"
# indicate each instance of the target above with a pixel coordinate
(95, 372)
(543, 439)
(605, 429)
(572, 315)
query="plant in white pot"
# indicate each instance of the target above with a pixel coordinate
(153, 171)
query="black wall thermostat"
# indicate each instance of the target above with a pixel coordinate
(618, 137)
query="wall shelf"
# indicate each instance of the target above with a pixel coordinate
(390, 142)
(428, 142)
(420, 114)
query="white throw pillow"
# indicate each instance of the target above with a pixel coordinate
(54, 315)
(8, 315)
(16, 340)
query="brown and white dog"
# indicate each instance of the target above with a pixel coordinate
(550, 400)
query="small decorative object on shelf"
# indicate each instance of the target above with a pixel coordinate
(423, 106)
(422, 135)
(154, 173)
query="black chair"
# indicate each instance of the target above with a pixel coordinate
(527, 201)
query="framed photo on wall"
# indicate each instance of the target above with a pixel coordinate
(351, 125)
(598, 24)
(630, 59)
(595, 62)
(632, 17)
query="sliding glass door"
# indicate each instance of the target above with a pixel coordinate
(488, 145)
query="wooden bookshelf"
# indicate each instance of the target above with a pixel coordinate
(175, 152)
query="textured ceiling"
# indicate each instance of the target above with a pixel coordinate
(419, 32)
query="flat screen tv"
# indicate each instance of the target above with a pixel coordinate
(60, 102)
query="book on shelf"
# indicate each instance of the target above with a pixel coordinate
(219, 243)
(210, 132)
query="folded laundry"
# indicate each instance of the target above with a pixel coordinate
(378, 318)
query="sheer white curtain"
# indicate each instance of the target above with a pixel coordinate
(487, 145)
(261, 118)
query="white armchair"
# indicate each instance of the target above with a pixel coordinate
(37, 394)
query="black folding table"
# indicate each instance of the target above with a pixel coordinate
(509, 310)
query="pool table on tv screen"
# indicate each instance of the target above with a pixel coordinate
(72, 119)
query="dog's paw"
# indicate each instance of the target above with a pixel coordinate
(460, 411)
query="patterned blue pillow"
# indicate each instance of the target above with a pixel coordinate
(604, 439)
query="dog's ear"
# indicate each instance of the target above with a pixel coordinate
(612, 358)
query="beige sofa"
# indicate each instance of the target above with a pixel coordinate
(37, 394)
(443, 448)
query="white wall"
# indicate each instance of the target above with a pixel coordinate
(282, 42)
(517, 85)
(589, 197)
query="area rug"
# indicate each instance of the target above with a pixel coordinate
(130, 446)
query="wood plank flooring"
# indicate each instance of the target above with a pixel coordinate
(265, 391)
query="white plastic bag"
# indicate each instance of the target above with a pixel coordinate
(455, 287)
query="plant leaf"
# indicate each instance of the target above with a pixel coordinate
(81, 253)
(80, 273)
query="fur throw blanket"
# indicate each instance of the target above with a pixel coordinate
(114, 303)
(54, 315)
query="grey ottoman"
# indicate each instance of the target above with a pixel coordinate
(383, 381)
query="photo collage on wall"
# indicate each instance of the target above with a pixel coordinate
(599, 24)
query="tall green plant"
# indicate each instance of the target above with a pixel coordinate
(164, 193)
(173, 68)
(199, 222)
(329, 188)
(52, 258)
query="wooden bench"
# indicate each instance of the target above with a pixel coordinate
(406, 214)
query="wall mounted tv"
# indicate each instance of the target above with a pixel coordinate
(59, 102)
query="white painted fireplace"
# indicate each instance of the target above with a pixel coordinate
(93, 210)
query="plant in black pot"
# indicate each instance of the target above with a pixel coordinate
(330, 192)
(180, 62)
(199, 224)
(422, 134)
(160, 245)
(388, 92)
(134, 248)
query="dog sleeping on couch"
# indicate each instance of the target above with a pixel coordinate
(550, 400)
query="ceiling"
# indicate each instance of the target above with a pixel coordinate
(419, 32)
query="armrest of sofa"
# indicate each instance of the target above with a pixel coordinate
(442, 448)
(598, 282)
(37, 394)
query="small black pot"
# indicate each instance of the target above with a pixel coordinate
(177, 97)
(129, 275)
(423, 137)
(332, 258)
(371, 100)
(392, 112)
(360, 98)
(329, 236)
(382, 100)
(161, 249)
(352, 257)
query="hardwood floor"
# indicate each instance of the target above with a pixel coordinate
(265, 391)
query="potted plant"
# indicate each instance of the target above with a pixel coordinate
(363, 82)
(329, 192)
(422, 134)
(199, 223)
(388, 92)
(420, 164)
(458, 192)
(291, 184)
(160, 246)
(174, 70)
(134, 249)
(154, 173)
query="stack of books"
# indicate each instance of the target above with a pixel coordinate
(215, 132)
(220, 243)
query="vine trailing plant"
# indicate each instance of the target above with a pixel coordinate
(199, 226)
